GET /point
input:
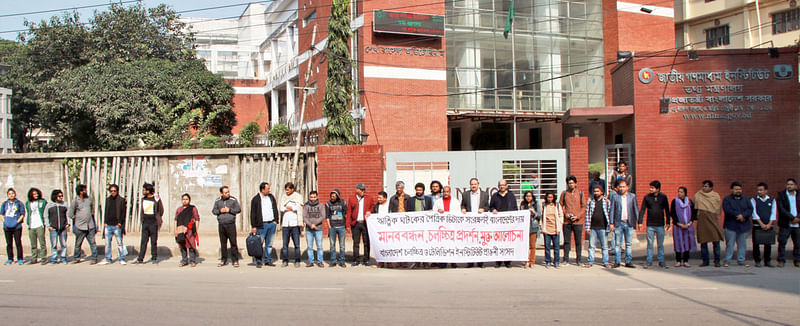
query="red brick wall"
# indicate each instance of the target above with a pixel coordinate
(250, 107)
(681, 152)
(626, 31)
(579, 159)
(342, 167)
(389, 116)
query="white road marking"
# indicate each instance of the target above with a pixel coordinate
(7, 281)
(293, 289)
(670, 289)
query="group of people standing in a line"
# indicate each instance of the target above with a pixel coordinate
(570, 215)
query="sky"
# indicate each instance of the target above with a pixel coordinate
(11, 21)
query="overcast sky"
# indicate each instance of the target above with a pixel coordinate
(10, 24)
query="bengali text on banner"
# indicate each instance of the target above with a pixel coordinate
(449, 238)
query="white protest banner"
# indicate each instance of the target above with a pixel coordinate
(449, 238)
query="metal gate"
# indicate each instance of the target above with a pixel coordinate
(538, 170)
(614, 155)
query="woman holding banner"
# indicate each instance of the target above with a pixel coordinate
(529, 203)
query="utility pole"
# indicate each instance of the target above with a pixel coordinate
(306, 77)
(514, 81)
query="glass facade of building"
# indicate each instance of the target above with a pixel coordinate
(558, 49)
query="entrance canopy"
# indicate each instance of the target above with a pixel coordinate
(597, 115)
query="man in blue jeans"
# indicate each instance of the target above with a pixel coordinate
(598, 212)
(313, 215)
(738, 211)
(656, 205)
(625, 217)
(264, 221)
(336, 214)
(114, 220)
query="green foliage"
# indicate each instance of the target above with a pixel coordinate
(511, 169)
(248, 133)
(339, 85)
(129, 74)
(279, 134)
(598, 167)
(210, 141)
(109, 106)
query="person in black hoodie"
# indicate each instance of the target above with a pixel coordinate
(114, 220)
(264, 220)
(152, 211)
(336, 214)
(55, 217)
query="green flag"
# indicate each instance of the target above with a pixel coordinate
(509, 21)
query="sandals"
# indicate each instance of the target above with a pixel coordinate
(236, 264)
(222, 263)
(678, 264)
(686, 265)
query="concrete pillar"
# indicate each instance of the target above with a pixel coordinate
(273, 108)
(291, 107)
(578, 156)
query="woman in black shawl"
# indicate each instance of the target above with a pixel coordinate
(186, 219)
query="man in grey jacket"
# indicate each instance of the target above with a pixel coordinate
(81, 212)
(313, 215)
(225, 208)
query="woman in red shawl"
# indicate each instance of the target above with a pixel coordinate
(186, 219)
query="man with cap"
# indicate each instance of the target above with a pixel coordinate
(336, 214)
(359, 207)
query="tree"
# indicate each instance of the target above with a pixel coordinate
(249, 133)
(279, 134)
(339, 86)
(109, 106)
(129, 74)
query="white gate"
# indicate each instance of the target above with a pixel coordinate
(540, 170)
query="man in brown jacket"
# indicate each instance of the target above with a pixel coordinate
(574, 218)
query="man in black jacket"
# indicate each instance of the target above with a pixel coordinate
(264, 220)
(503, 201)
(419, 202)
(789, 222)
(658, 220)
(397, 204)
(114, 221)
(475, 200)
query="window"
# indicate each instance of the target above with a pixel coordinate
(718, 36)
(538, 176)
(786, 21)
(309, 18)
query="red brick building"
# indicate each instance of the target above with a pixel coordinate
(728, 115)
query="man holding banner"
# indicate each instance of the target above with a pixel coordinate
(358, 208)
(475, 201)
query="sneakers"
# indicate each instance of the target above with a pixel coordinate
(9, 262)
(355, 263)
(726, 264)
(342, 265)
(19, 262)
(64, 262)
(743, 264)
(53, 262)
(122, 262)
(138, 262)
(105, 262)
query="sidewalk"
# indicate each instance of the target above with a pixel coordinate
(209, 248)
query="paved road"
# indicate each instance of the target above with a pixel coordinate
(207, 295)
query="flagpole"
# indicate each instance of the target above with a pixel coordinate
(514, 76)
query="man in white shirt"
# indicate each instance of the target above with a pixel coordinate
(264, 221)
(382, 207)
(476, 200)
(765, 212)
